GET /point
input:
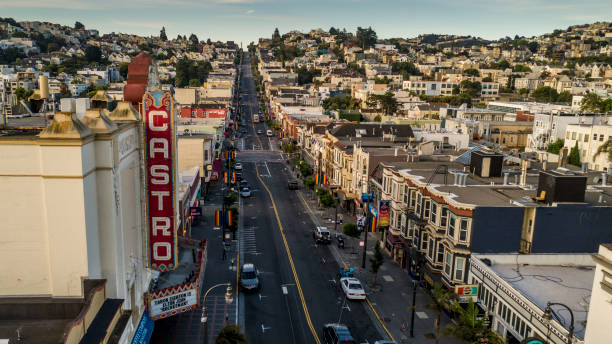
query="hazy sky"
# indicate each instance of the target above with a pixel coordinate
(247, 20)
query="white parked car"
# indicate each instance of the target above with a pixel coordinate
(245, 192)
(238, 166)
(352, 288)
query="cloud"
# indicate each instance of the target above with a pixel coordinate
(111, 4)
(250, 11)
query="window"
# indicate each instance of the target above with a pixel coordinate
(443, 217)
(412, 199)
(434, 212)
(463, 229)
(426, 210)
(400, 197)
(424, 241)
(451, 226)
(579, 136)
(419, 204)
(440, 253)
(430, 248)
(406, 194)
(410, 228)
(586, 138)
(594, 137)
(394, 190)
(459, 268)
(601, 137)
(447, 263)
(573, 135)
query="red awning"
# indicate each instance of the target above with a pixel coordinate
(394, 240)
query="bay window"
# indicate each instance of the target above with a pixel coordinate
(451, 226)
(448, 260)
(463, 230)
(459, 267)
(443, 217)
(426, 209)
(434, 213)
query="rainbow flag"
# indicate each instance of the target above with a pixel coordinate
(372, 227)
(225, 177)
(217, 218)
(324, 178)
(233, 154)
(230, 220)
(317, 178)
(233, 177)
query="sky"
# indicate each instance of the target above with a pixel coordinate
(247, 20)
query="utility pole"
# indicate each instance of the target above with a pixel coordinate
(366, 198)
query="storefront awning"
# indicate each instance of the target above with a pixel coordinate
(394, 240)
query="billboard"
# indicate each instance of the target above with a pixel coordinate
(383, 214)
(159, 150)
(174, 303)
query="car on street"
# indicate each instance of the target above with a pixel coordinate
(239, 176)
(245, 192)
(385, 342)
(249, 277)
(337, 334)
(243, 184)
(243, 130)
(352, 288)
(321, 235)
(238, 166)
(259, 132)
(293, 185)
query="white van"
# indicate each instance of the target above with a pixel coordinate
(269, 132)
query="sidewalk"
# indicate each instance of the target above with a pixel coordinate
(392, 295)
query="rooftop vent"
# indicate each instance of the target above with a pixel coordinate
(561, 185)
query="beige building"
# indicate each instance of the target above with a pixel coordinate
(589, 138)
(598, 328)
(72, 216)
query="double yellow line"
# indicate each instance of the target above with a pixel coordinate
(295, 275)
(346, 267)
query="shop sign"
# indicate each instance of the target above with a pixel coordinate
(173, 304)
(196, 211)
(428, 279)
(466, 292)
(383, 211)
(160, 150)
(143, 332)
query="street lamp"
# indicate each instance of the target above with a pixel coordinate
(228, 299)
(548, 313)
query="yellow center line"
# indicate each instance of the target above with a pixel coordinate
(288, 251)
(346, 267)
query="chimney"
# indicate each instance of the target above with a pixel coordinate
(506, 175)
(544, 164)
(563, 157)
(523, 172)
(585, 167)
(456, 182)
(395, 154)
(464, 179)
(43, 86)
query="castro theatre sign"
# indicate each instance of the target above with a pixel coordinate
(160, 150)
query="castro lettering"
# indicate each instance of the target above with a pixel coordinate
(159, 146)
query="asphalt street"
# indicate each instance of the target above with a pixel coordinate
(299, 291)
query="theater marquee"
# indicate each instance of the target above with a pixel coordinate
(160, 148)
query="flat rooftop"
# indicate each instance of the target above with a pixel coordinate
(540, 284)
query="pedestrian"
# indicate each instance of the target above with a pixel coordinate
(224, 251)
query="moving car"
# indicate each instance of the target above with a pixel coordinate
(243, 184)
(293, 185)
(245, 192)
(249, 280)
(269, 132)
(385, 342)
(259, 132)
(321, 235)
(337, 334)
(352, 288)
(238, 166)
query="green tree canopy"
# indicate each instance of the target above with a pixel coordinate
(471, 88)
(386, 102)
(366, 37)
(231, 334)
(406, 69)
(574, 156)
(556, 146)
(162, 34)
(93, 53)
(472, 72)
(79, 26)
(545, 94)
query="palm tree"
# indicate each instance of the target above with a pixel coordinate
(606, 147)
(470, 328)
(442, 299)
(231, 335)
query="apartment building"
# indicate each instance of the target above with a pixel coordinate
(430, 88)
(589, 138)
(489, 89)
(437, 219)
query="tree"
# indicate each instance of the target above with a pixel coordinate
(376, 261)
(406, 69)
(123, 69)
(309, 183)
(524, 91)
(386, 102)
(325, 198)
(470, 328)
(22, 93)
(93, 53)
(231, 335)
(441, 299)
(194, 83)
(564, 97)
(591, 102)
(556, 146)
(366, 37)
(351, 230)
(472, 72)
(545, 74)
(79, 26)
(574, 156)
(487, 79)
(193, 39)
(471, 88)
(545, 94)
(519, 68)
(377, 118)
(605, 148)
(162, 34)
(333, 31)
(276, 34)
